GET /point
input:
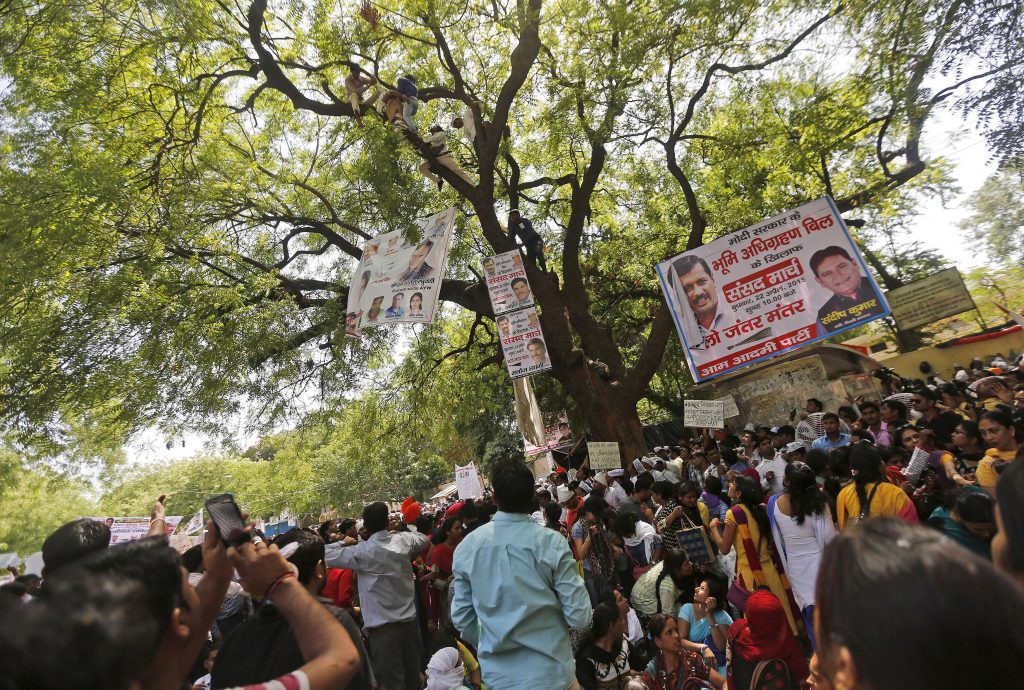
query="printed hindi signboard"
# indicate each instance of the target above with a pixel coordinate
(398, 281)
(522, 341)
(939, 295)
(124, 529)
(704, 414)
(775, 286)
(557, 433)
(467, 481)
(603, 455)
(507, 284)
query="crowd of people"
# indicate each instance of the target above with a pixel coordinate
(887, 553)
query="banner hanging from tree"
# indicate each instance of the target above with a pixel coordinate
(398, 281)
(522, 340)
(775, 286)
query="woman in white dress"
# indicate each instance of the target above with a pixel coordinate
(801, 526)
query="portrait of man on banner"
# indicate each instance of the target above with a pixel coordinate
(853, 296)
(696, 287)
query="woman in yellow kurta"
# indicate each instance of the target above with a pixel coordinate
(757, 563)
(869, 494)
(1000, 435)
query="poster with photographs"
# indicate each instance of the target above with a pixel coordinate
(522, 341)
(770, 288)
(124, 529)
(556, 429)
(398, 281)
(506, 282)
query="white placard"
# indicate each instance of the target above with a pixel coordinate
(34, 564)
(604, 455)
(701, 414)
(730, 406)
(467, 481)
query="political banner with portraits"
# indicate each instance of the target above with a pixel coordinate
(124, 529)
(398, 281)
(557, 433)
(770, 288)
(522, 341)
(506, 281)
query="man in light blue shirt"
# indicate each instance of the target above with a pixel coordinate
(832, 437)
(517, 592)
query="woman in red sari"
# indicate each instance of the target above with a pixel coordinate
(763, 635)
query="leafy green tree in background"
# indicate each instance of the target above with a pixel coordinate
(996, 223)
(183, 188)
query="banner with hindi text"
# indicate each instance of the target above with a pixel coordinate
(398, 281)
(775, 286)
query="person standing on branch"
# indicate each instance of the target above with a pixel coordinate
(441, 156)
(355, 86)
(533, 243)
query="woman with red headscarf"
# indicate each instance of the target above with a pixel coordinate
(764, 636)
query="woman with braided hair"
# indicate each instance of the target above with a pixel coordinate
(757, 562)
(801, 527)
(594, 548)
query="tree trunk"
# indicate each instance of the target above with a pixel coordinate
(610, 415)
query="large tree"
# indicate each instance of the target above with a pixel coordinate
(184, 188)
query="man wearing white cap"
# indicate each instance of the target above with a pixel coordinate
(570, 503)
(615, 493)
(794, 451)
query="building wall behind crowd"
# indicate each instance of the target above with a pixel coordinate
(942, 359)
(767, 394)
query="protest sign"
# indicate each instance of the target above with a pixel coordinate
(34, 564)
(603, 455)
(398, 281)
(557, 433)
(183, 542)
(729, 404)
(124, 529)
(193, 525)
(939, 295)
(467, 481)
(506, 280)
(702, 414)
(522, 341)
(775, 286)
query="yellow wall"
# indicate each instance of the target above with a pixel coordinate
(943, 359)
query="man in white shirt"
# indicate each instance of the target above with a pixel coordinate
(386, 595)
(438, 141)
(772, 467)
(615, 493)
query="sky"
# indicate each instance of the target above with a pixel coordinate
(937, 226)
